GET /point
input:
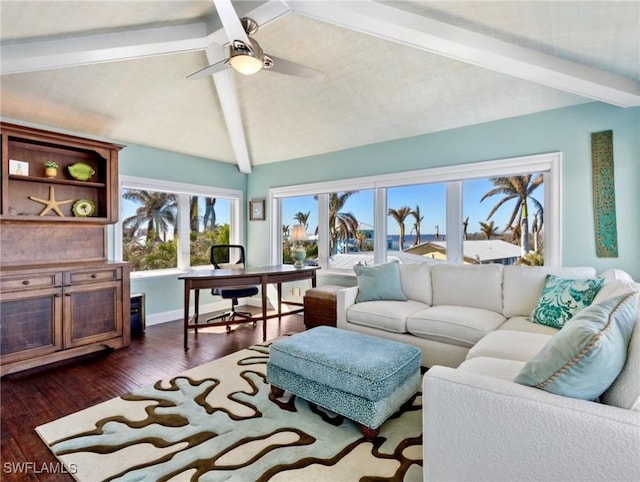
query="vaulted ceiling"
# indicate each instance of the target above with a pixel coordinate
(117, 69)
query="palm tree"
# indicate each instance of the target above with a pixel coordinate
(157, 210)
(465, 226)
(489, 229)
(209, 213)
(302, 218)
(416, 225)
(400, 215)
(536, 226)
(519, 188)
(193, 214)
(341, 225)
(360, 237)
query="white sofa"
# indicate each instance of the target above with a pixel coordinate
(452, 307)
(471, 323)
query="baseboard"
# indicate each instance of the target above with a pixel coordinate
(165, 316)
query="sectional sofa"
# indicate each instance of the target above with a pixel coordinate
(472, 323)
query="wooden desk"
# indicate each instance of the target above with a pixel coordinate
(198, 279)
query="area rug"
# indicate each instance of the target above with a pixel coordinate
(218, 422)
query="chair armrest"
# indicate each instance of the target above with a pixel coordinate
(344, 299)
(481, 428)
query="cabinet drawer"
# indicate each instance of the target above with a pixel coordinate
(30, 281)
(91, 276)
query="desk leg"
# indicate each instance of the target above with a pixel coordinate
(264, 308)
(187, 291)
(196, 309)
(279, 301)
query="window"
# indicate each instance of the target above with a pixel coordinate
(158, 217)
(300, 210)
(350, 228)
(432, 202)
(503, 219)
(416, 220)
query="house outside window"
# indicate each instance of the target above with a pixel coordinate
(440, 211)
(168, 226)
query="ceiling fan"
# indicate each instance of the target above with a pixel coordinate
(245, 54)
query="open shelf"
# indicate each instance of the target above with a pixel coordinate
(49, 180)
(25, 151)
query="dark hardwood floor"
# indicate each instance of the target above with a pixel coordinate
(37, 396)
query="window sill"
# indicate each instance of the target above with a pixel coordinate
(157, 273)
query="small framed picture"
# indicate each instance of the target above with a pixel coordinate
(20, 168)
(256, 210)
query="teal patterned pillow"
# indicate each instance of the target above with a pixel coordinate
(562, 298)
(381, 282)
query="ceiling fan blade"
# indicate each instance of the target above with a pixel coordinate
(207, 71)
(283, 66)
(230, 21)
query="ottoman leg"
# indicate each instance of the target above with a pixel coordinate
(278, 392)
(369, 433)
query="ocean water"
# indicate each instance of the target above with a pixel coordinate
(393, 240)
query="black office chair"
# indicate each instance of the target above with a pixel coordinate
(221, 256)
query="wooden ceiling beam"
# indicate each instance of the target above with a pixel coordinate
(456, 43)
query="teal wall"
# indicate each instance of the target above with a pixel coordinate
(141, 161)
(566, 130)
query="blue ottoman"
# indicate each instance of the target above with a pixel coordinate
(364, 378)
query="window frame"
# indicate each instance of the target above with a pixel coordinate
(549, 164)
(183, 191)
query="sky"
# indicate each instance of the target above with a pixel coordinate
(432, 201)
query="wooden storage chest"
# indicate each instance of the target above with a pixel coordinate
(320, 306)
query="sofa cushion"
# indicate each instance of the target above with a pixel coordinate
(614, 288)
(384, 315)
(457, 325)
(523, 323)
(416, 282)
(522, 285)
(562, 298)
(586, 356)
(614, 274)
(624, 392)
(381, 282)
(493, 367)
(510, 345)
(476, 286)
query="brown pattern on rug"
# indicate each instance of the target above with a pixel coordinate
(220, 422)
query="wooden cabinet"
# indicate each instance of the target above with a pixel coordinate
(320, 306)
(50, 313)
(60, 296)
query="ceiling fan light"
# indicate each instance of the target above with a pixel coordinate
(245, 64)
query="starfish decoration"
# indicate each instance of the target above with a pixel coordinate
(51, 203)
